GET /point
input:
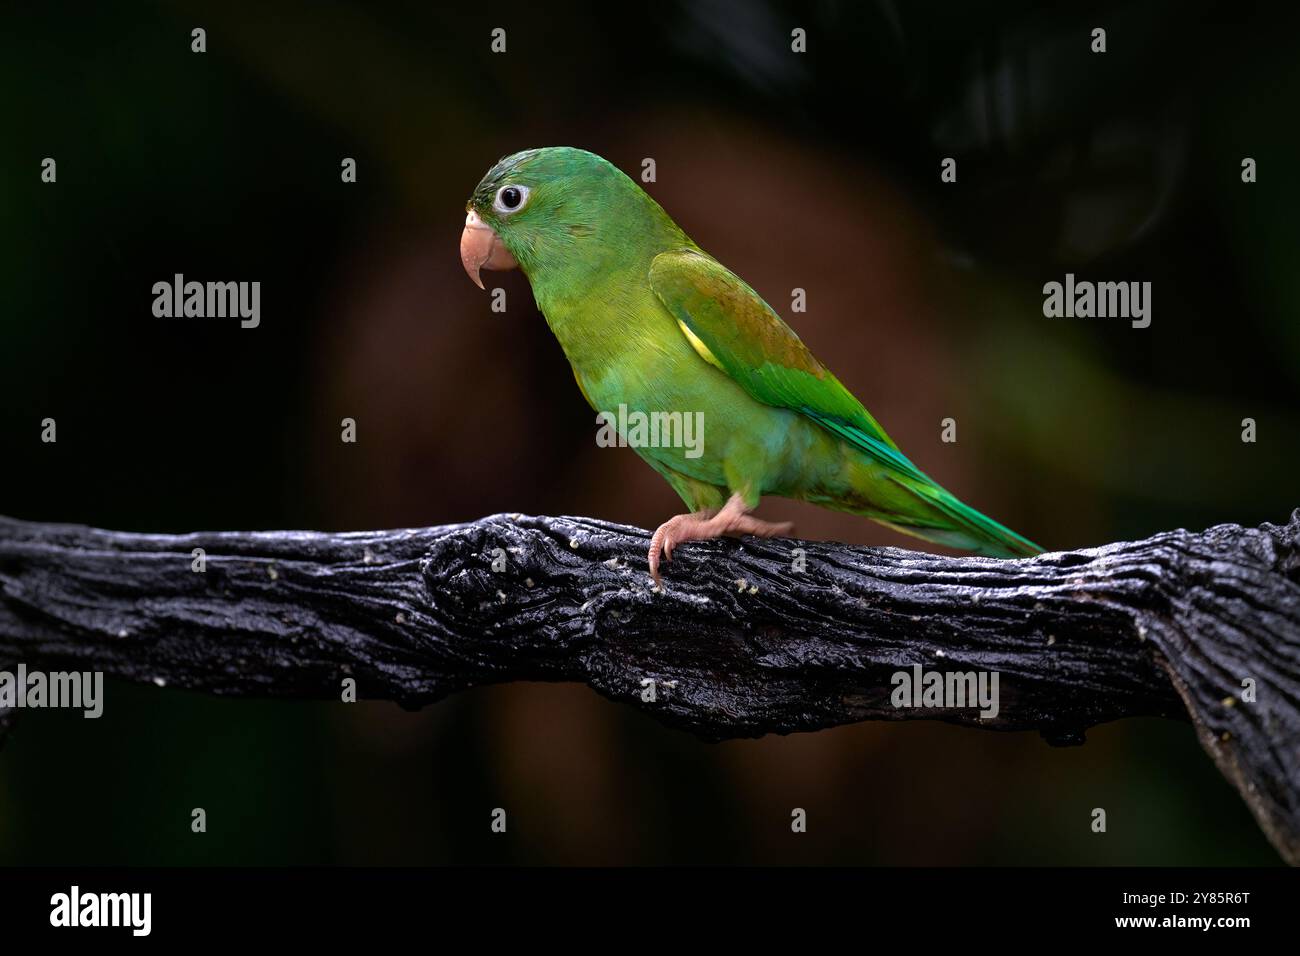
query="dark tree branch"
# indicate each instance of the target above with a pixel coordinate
(749, 638)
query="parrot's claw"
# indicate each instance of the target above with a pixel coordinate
(733, 519)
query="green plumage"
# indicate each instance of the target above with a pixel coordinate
(650, 321)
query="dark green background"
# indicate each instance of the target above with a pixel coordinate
(818, 171)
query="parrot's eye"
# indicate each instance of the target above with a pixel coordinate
(510, 198)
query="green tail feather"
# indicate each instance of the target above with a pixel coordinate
(956, 524)
(974, 531)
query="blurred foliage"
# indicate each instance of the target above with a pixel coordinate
(818, 171)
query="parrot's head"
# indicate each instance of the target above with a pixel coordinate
(556, 208)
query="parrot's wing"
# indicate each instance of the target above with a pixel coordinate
(733, 329)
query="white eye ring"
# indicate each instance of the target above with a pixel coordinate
(499, 203)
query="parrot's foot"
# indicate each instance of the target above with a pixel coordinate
(733, 519)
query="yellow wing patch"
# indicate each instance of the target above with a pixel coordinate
(699, 346)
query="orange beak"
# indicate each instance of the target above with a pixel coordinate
(482, 248)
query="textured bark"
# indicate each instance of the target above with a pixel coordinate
(749, 637)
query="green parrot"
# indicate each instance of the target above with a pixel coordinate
(651, 322)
